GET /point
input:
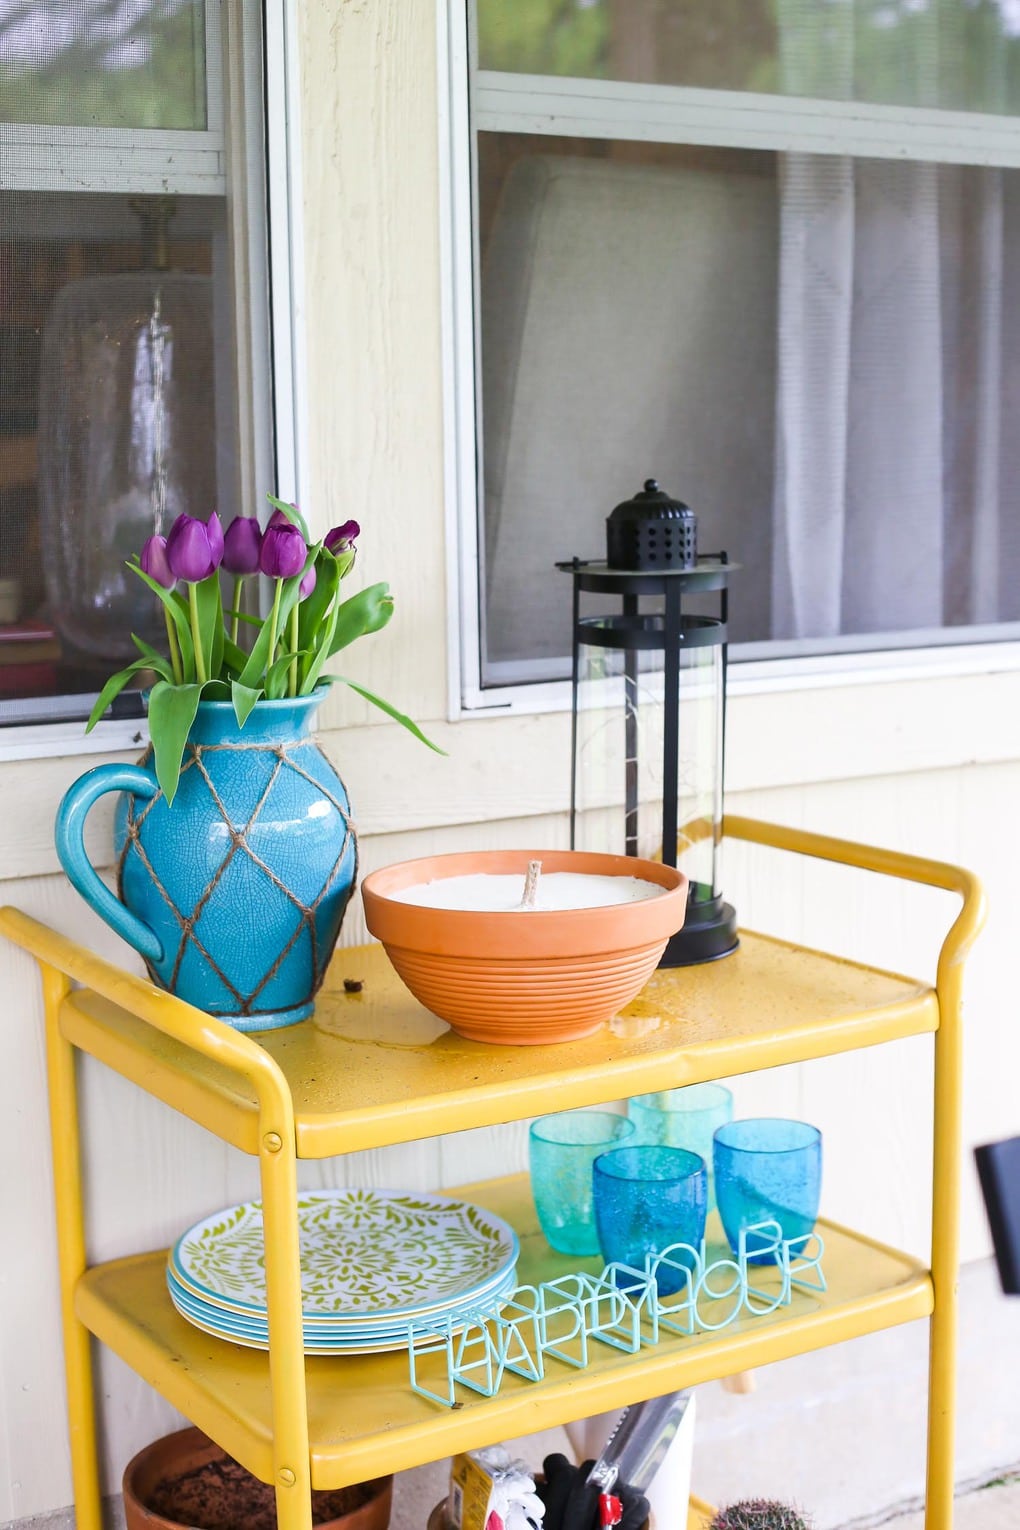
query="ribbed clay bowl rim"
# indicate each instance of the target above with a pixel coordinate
(510, 935)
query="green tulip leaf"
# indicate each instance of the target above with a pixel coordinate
(154, 658)
(254, 671)
(244, 698)
(367, 611)
(313, 613)
(292, 513)
(234, 657)
(117, 682)
(178, 609)
(276, 680)
(172, 710)
(209, 607)
(391, 711)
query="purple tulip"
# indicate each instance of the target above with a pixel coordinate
(281, 518)
(307, 584)
(242, 545)
(214, 526)
(192, 551)
(154, 562)
(341, 537)
(283, 552)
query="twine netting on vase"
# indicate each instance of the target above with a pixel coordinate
(284, 754)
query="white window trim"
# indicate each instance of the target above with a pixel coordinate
(669, 114)
(286, 250)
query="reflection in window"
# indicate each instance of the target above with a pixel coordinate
(103, 63)
(116, 412)
(956, 54)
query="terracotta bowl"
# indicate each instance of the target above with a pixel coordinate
(188, 1450)
(527, 977)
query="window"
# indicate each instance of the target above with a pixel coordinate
(133, 317)
(768, 252)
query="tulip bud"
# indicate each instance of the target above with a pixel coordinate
(242, 545)
(192, 552)
(283, 552)
(307, 584)
(154, 562)
(214, 527)
(279, 518)
(341, 537)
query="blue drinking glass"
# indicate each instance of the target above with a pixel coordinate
(647, 1198)
(767, 1170)
(561, 1151)
(685, 1118)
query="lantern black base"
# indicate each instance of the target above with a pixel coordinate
(710, 931)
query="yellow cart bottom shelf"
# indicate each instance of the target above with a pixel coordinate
(364, 1419)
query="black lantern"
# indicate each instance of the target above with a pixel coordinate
(649, 700)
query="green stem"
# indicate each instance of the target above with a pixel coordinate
(201, 673)
(175, 648)
(236, 603)
(292, 671)
(274, 617)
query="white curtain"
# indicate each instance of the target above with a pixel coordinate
(889, 390)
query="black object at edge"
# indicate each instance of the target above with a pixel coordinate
(998, 1166)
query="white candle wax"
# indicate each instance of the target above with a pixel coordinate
(495, 892)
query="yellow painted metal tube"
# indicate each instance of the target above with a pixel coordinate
(947, 1140)
(278, 1167)
(71, 1257)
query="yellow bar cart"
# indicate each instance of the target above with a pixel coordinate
(326, 1088)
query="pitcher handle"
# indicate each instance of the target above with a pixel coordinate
(70, 840)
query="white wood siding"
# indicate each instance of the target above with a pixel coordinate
(930, 766)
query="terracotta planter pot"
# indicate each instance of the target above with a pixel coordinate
(529, 976)
(177, 1456)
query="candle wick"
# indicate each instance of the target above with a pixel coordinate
(531, 884)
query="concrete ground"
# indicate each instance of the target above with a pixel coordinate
(995, 1507)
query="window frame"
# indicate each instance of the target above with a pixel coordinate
(474, 101)
(264, 215)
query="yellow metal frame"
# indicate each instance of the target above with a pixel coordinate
(236, 1086)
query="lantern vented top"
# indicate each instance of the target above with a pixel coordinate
(652, 532)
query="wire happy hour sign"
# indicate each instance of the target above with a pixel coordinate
(678, 1291)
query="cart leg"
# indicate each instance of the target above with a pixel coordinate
(291, 1456)
(945, 1253)
(67, 1190)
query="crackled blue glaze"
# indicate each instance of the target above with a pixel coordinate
(234, 895)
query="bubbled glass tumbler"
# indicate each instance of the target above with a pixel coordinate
(646, 1199)
(561, 1151)
(767, 1170)
(685, 1118)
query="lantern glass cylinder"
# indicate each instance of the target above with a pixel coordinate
(621, 730)
(648, 727)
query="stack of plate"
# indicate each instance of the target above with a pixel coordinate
(372, 1262)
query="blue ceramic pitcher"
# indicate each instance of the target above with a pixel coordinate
(235, 893)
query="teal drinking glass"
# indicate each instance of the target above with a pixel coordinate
(647, 1198)
(561, 1151)
(767, 1170)
(685, 1118)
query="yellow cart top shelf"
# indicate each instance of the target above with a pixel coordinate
(374, 1067)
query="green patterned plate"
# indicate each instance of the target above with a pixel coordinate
(365, 1254)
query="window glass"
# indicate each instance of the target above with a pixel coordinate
(119, 393)
(958, 54)
(820, 355)
(103, 63)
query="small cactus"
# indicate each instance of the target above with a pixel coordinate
(759, 1514)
